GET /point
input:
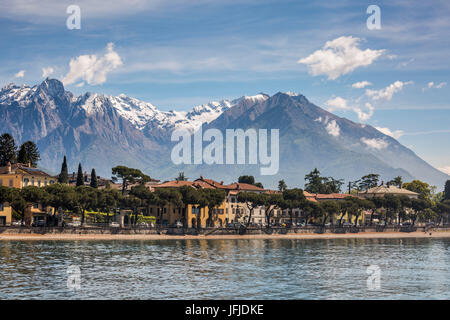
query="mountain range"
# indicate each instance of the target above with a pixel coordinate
(103, 131)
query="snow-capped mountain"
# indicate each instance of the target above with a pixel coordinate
(103, 131)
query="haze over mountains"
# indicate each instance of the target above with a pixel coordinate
(104, 131)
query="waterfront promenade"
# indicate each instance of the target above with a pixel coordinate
(437, 233)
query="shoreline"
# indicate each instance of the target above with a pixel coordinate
(304, 236)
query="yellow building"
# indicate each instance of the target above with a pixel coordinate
(191, 216)
(20, 175)
(5, 214)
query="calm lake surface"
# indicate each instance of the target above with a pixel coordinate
(226, 269)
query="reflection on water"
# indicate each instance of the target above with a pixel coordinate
(226, 269)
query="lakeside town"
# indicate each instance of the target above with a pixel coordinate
(33, 199)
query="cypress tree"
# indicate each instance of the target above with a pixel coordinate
(447, 190)
(94, 182)
(64, 175)
(80, 180)
(28, 152)
(8, 150)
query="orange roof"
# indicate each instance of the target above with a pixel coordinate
(211, 182)
(177, 184)
(242, 186)
(272, 192)
(307, 194)
(332, 196)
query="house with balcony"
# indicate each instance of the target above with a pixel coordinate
(20, 175)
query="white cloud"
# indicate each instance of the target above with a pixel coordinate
(431, 85)
(361, 84)
(394, 134)
(405, 63)
(91, 68)
(47, 72)
(377, 144)
(333, 128)
(340, 103)
(445, 169)
(19, 74)
(388, 92)
(338, 57)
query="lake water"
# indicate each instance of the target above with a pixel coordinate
(226, 269)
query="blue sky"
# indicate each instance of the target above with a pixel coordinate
(177, 54)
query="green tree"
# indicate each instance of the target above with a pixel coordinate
(15, 199)
(314, 181)
(330, 208)
(397, 181)
(80, 176)
(312, 211)
(190, 196)
(247, 179)
(28, 153)
(392, 205)
(181, 177)
(145, 195)
(63, 176)
(282, 185)
(86, 199)
(128, 175)
(293, 199)
(270, 203)
(8, 150)
(443, 210)
(62, 196)
(94, 181)
(422, 188)
(369, 181)
(379, 203)
(447, 190)
(418, 206)
(167, 196)
(214, 198)
(108, 200)
(252, 201)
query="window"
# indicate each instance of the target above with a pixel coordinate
(2, 207)
(52, 182)
(45, 183)
(39, 183)
(11, 182)
(35, 205)
(1, 182)
(26, 181)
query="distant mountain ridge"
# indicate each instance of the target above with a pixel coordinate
(103, 131)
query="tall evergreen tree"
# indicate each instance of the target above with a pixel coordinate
(94, 182)
(447, 190)
(28, 153)
(8, 150)
(64, 175)
(80, 179)
(282, 185)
